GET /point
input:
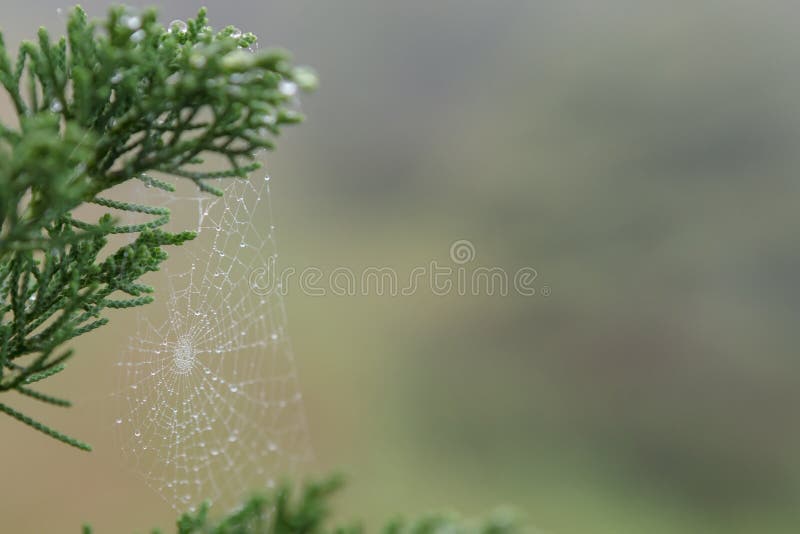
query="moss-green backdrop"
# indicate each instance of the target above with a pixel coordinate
(641, 156)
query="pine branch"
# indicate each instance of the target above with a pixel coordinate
(284, 512)
(43, 397)
(44, 374)
(44, 428)
(107, 103)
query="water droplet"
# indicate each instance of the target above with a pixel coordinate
(233, 388)
(305, 77)
(138, 36)
(268, 118)
(132, 22)
(137, 433)
(197, 61)
(177, 26)
(116, 78)
(56, 106)
(287, 88)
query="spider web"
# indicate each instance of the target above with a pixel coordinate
(209, 403)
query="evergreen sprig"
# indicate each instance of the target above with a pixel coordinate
(108, 103)
(283, 512)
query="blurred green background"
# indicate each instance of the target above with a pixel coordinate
(641, 156)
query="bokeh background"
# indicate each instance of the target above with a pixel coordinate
(641, 156)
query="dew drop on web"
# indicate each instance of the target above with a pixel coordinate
(204, 382)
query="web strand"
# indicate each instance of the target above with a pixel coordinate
(210, 406)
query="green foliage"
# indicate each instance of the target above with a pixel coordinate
(282, 512)
(115, 102)
(106, 104)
